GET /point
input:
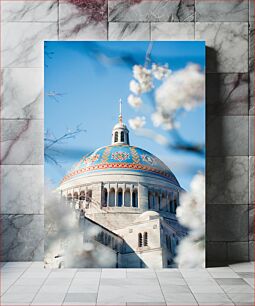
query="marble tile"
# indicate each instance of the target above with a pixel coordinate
(21, 192)
(227, 135)
(151, 10)
(227, 223)
(251, 93)
(49, 299)
(23, 43)
(178, 289)
(250, 281)
(227, 94)
(78, 287)
(124, 293)
(234, 10)
(251, 250)
(251, 222)
(76, 24)
(227, 180)
(180, 299)
(172, 31)
(194, 275)
(245, 275)
(222, 274)
(227, 43)
(114, 273)
(216, 252)
(22, 142)
(243, 267)
(251, 68)
(81, 297)
(23, 10)
(251, 180)
(146, 303)
(242, 299)
(22, 237)
(213, 299)
(21, 297)
(22, 93)
(237, 251)
(205, 289)
(251, 135)
(237, 289)
(128, 31)
(86, 273)
(251, 10)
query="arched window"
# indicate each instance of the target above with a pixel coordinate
(120, 197)
(112, 197)
(101, 237)
(116, 137)
(140, 240)
(172, 206)
(122, 136)
(167, 241)
(173, 245)
(156, 201)
(175, 205)
(159, 202)
(89, 195)
(82, 195)
(134, 198)
(168, 208)
(164, 202)
(69, 197)
(105, 197)
(127, 197)
(149, 200)
(75, 196)
(145, 239)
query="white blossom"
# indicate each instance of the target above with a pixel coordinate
(191, 214)
(191, 254)
(137, 122)
(135, 87)
(160, 72)
(144, 77)
(182, 89)
(141, 74)
(134, 101)
(158, 119)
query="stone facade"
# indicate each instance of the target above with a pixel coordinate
(133, 209)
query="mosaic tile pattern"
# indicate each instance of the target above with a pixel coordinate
(229, 33)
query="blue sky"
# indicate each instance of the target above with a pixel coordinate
(92, 76)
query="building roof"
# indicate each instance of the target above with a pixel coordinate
(121, 157)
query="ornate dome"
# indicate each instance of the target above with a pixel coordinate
(121, 157)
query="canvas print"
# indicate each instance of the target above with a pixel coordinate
(124, 154)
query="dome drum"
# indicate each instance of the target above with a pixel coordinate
(130, 195)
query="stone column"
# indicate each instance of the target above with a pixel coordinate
(142, 197)
(123, 194)
(108, 194)
(116, 195)
(131, 195)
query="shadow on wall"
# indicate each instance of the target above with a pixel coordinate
(211, 138)
(219, 231)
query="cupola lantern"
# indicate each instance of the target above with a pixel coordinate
(120, 133)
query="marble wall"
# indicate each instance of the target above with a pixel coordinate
(227, 27)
